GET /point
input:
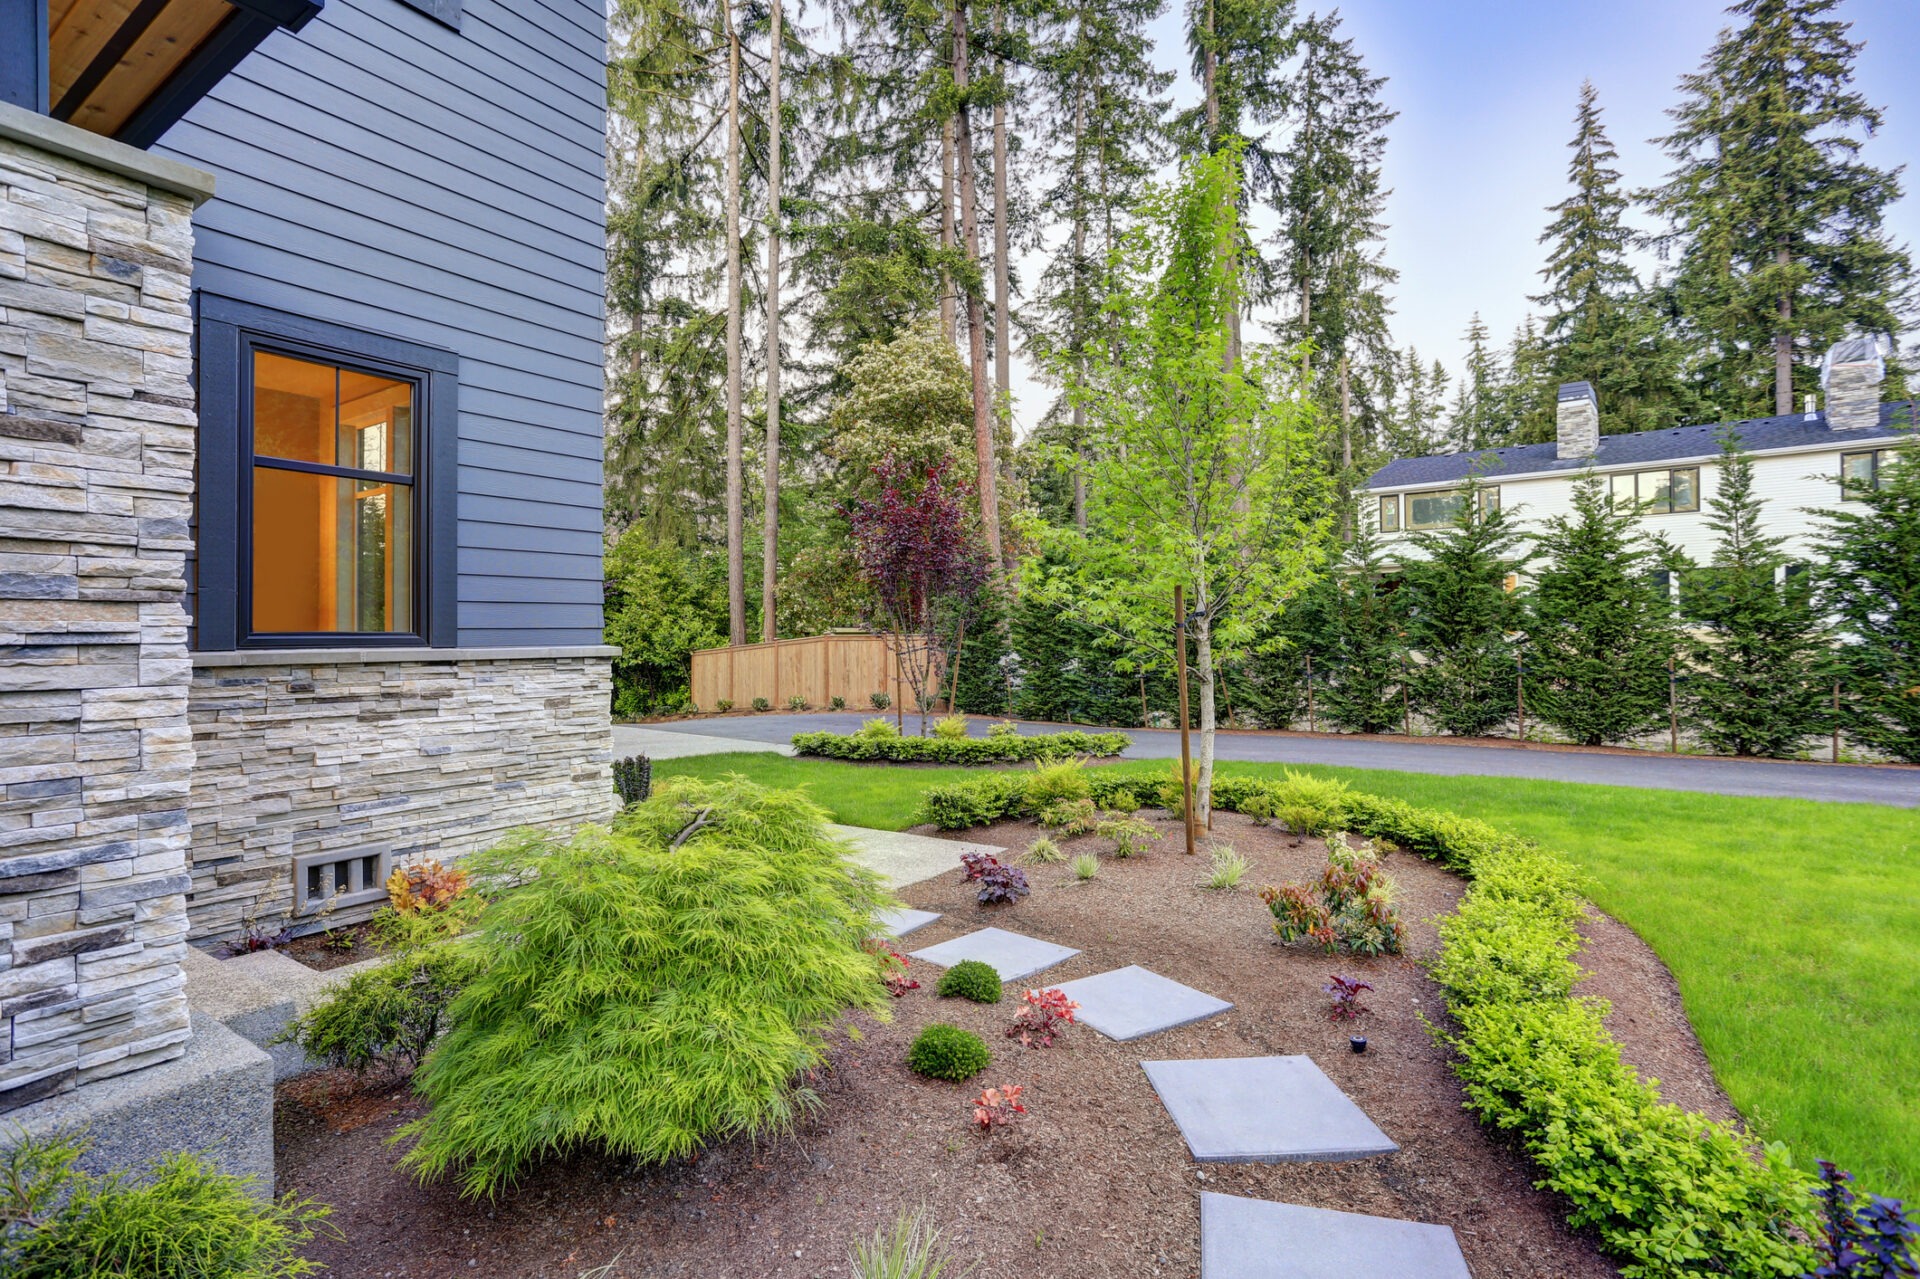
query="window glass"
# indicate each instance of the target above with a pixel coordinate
(1624, 495)
(333, 501)
(1684, 488)
(1431, 510)
(1656, 491)
(1856, 471)
(1489, 500)
(1390, 514)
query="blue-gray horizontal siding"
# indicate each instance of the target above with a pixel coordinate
(383, 171)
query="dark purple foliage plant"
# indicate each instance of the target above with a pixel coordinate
(998, 881)
(1870, 1241)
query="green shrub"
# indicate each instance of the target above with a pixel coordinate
(1308, 805)
(761, 704)
(970, 979)
(1070, 817)
(976, 801)
(1122, 801)
(1349, 908)
(880, 700)
(183, 1220)
(797, 703)
(708, 939)
(948, 1052)
(1001, 749)
(1125, 792)
(836, 703)
(951, 727)
(1130, 835)
(723, 705)
(632, 778)
(1051, 784)
(387, 1015)
(1003, 728)
(879, 728)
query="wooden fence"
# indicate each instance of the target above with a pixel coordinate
(818, 668)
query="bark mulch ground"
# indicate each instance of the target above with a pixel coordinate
(1096, 1182)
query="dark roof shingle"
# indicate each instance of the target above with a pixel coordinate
(1643, 448)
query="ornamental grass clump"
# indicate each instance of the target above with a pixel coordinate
(948, 1052)
(970, 979)
(650, 988)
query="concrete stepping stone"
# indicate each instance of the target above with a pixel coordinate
(1011, 955)
(1257, 1239)
(1263, 1110)
(900, 922)
(1132, 1003)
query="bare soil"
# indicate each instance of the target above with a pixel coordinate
(335, 948)
(1095, 1182)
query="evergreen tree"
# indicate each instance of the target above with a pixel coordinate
(1869, 584)
(1757, 683)
(1776, 220)
(1600, 626)
(983, 686)
(1460, 616)
(1475, 422)
(1599, 327)
(1413, 395)
(1366, 651)
(1268, 686)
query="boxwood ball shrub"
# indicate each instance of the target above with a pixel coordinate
(649, 988)
(948, 1052)
(970, 979)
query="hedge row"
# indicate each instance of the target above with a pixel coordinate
(1000, 748)
(1669, 1192)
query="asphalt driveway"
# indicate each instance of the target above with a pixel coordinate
(1849, 783)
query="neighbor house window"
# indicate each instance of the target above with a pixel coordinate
(1663, 492)
(1440, 507)
(1390, 514)
(333, 533)
(1863, 472)
(326, 484)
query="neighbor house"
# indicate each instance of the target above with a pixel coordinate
(300, 486)
(1802, 462)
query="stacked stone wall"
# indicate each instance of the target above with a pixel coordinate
(97, 430)
(417, 758)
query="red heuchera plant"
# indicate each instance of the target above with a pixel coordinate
(921, 555)
(1047, 1015)
(998, 1107)
(1346, 997)
(893, 968)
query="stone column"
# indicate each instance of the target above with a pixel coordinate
(97, 437)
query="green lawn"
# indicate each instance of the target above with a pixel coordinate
(1792, 926)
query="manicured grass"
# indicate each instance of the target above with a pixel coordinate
(1793, 927)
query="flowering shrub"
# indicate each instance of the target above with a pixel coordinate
(998, 882)
(1874, 1242)
(1346, 997)
(1349, 909)
(998, 1107)
(1046, 1016)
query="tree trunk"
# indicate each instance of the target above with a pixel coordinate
(1783, 342)
(947, 321)
(770, 526)
(983, 442)
(1080, 324)
(736, 480)
(1209, 79)
(1002, 238)
(1346, 451)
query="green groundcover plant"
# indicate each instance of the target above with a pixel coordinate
(183, 1220)
(999, 748)
(947, 1052)
(649, 988)
(1667, 1192)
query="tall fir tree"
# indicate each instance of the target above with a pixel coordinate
(1600, 627)
(1757, 680)
(1869, 584)
(1462, 618)
(1478, 400)
(1775, 219)
(1597, 324)
(1365, 648)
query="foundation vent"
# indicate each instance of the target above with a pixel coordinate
(340, 878)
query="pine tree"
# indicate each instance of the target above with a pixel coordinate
(1599, 326)
(1599, 625)
(1869, 583)
(1460, 617)
(1475, 420)
(1757, 683)
(1776, 220)
(1366, 651)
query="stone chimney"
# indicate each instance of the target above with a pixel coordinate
(1577, 421)
(1851, 376)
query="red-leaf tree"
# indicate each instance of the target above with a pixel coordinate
(920, 550)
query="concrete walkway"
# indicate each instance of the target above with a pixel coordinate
(1849, 783)
(903, 859)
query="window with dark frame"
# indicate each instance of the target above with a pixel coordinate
(1863, 471)
(1390, 514)
(1670, 491)
(1438, 508)
(326, 486)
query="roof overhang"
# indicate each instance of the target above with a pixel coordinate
(129, 69)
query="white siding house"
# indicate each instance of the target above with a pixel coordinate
(1798, 464)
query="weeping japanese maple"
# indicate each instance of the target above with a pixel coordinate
(919, 548)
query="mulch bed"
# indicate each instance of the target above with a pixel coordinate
(335, 948)
(1096, 1182)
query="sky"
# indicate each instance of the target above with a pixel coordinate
(1486, 92)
